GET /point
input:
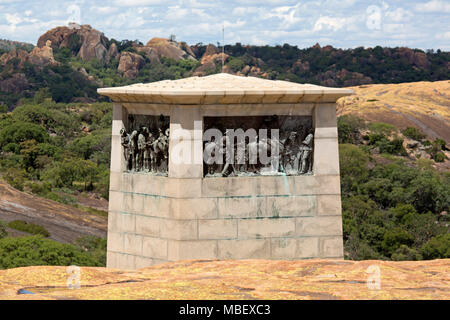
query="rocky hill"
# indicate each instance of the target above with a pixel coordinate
(424, 105)
(82, 52)
(236, 280)
(8, 45)
(64, 223)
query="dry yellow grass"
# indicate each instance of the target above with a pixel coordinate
(245, 279)
(425, 105)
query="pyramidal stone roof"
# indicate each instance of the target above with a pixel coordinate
(223, 88)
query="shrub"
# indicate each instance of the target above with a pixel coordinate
(437, 248)
(29, 227)
(404, 253)
(394, 238)
(20, 131)
(413, 133)
(37, 251)
(95, 246)
(3, 232)
(353, 167)
(3, 108)
(236, 64)
(348, 128)
(440, 157)
(16, 178)
(382, 128)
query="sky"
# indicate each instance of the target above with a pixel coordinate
(340, 23)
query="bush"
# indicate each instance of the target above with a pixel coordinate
(236, 64)
(437, 248)
(20, 131)
(37, 251)
(394, 239)
(404, 253)
(29, 227)
(95, 246)
(16, 178)
(348, 128)
(440, 157)
(3, 108)
(3, 232)
(353, 164)
(413, 133)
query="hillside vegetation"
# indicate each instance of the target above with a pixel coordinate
(73, 62)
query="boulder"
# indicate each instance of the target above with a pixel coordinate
(418, 58)
(169, 49)
(129, 64)
(21, 55)
(93, 44)
(42, 56)
(149, 53)
(88, 42)
(113, 53)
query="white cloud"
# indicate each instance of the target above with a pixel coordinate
(104, 10)
(326, 22)
(13, 19)
(136, 3)
(443, 36)
(398, 15)
(433, 6)
(177, 13)
(341, 23)
(286, 14)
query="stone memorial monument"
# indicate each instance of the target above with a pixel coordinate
(223, 167)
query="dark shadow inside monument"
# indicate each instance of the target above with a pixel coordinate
(257, 145)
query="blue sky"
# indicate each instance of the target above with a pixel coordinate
(341, 23)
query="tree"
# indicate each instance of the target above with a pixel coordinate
(354, 169)
(437, 248)
(20, 131)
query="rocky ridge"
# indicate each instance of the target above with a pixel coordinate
(238, 280)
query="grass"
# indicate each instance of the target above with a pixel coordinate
(29, 227)
(97, 212)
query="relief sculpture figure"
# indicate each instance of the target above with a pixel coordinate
(143, 152)
(306, 154)
(133, 150)
(125, 142)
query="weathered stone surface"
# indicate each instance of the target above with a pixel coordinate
(150, 53)
(113, 53)
(233, 280)
(266, 227)
(42, 56)
(217, 229)
(244, 249)
(91, 42)
(129, 64)
(185, 249)
(169, 49)
(319, 226)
